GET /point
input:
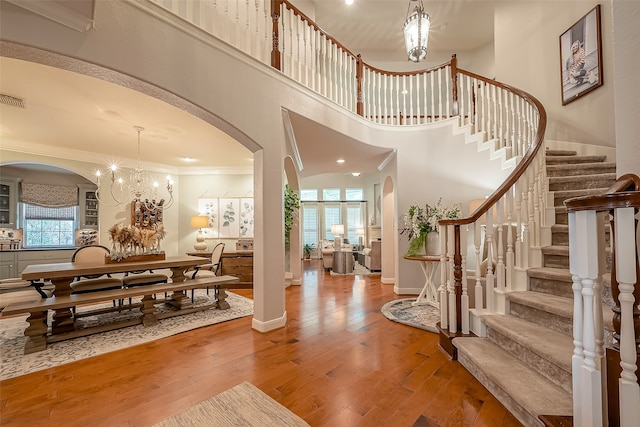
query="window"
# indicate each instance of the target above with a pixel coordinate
(49, 227)
(355, 194)
(331, 216)
(309, 195)
(309, 224)
(331, 194)
(354, 222)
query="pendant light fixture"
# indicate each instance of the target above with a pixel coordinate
(416, 31)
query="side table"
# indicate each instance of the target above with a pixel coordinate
(428, 294)
(342, 262)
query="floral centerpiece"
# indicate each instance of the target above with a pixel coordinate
(419, 221)
(131, 241)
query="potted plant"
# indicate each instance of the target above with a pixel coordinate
(306, 250)
(418, 222)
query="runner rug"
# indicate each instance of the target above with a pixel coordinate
(421, 316)
(15, 363)
(243, 405)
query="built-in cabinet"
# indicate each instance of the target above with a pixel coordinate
(88, 207)
(13, 262)
(8, 265)
(8, 192)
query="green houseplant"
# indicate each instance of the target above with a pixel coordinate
(306, 250)
(291, 205)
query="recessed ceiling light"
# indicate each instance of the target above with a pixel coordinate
(355, 173)
(340, 161)
(349, 2)
(188, 159)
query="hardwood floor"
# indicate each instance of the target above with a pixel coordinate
(338, 362)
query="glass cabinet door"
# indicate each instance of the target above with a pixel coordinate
(7, 204)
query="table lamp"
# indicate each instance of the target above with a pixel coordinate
(200, 222)
(338, 231)
(360, 233)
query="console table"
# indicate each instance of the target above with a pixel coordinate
(428, 294)
(237, 264)
(342, 262)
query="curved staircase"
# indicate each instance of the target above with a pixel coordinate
(525, 360)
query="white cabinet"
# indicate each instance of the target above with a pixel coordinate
(88, 207)
(26, 258)
(8, 265)
(8, 192)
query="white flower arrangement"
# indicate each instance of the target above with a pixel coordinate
(419, 221)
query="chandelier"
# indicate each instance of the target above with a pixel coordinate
(416, 31)
(140, 190)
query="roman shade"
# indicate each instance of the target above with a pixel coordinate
(49, 196)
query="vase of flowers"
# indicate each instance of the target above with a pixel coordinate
(419, 223)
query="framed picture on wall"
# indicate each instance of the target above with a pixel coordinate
(229, 218)
(581, 57)
(246, 217)
(209, 207)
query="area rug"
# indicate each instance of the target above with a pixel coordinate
(243, 405)
(359, 270)
(421, 316)
(15, 363)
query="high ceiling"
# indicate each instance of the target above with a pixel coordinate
(78, 115)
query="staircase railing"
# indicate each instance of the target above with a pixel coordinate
(613, 391)
(511, 120)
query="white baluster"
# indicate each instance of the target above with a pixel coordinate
(442, 290)
(500, 248)
(578, 347)
(432, 91)
(453, 312)
(491, 256)
(625, 252)
(464, 299)
(524, 217)
(510, 260)
(477, 242)
(587, 269)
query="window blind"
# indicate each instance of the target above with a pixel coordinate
(41, 212)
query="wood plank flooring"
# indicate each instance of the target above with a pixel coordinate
(338, 362)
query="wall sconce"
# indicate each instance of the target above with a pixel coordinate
(200, 222)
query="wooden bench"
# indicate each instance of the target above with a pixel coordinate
(37, 330)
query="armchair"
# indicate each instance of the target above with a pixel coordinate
(373, 255)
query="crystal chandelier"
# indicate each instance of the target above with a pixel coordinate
(416, 31)
(140, 190)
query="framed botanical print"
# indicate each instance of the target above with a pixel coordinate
(229, 213)
(581, 57)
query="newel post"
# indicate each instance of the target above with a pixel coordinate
(454, 84)
(359, 72)
(275, 48)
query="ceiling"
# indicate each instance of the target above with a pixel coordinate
(80, 116)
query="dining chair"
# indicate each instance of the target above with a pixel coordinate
(210, 269)
(92, 254)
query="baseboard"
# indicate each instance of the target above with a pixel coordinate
(406, 291)
(387, 280)
(269, 325)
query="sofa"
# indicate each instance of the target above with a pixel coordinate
(327, 248)
(373, 255)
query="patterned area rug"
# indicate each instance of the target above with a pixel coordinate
(422, 316)
(243, 405)
(12, 340)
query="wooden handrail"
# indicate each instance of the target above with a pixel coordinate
(624, 193)
(522, 166)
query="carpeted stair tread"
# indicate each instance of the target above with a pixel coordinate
(525, 392)
(546, 343)
(552, 152)
(559, 274)
(580, 169)
(588, 177)
(560, 196)
(554, 304)
(555, 250)
(552, 160)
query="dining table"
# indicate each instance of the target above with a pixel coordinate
(61, 275)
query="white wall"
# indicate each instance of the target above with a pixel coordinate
(527, 56)
(194, 187)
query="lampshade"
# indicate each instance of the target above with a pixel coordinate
(416, 32)
(199, 221)
(360, 231)
(337, 229)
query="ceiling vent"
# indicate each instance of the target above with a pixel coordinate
(12, 101)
